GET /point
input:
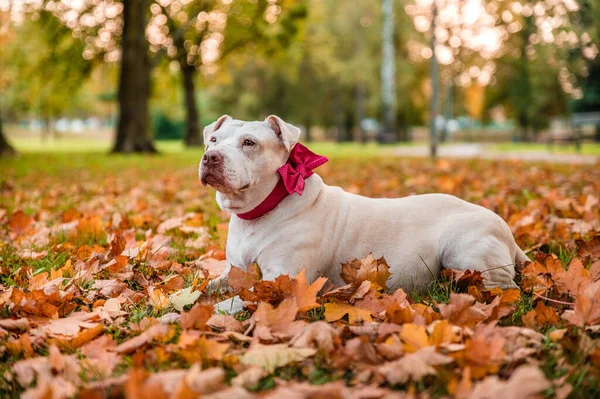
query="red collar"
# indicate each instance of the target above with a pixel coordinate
(298, 168)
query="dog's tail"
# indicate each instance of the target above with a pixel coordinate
(520, 257)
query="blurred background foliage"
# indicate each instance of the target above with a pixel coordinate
(514, 65)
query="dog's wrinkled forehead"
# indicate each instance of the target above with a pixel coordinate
(271, 130)
(236, 128)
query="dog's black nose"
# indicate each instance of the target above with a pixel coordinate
(212, 158)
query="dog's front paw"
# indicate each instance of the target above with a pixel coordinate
(230, 306)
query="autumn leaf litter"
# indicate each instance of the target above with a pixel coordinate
(112, 295)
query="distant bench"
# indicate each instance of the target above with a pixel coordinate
(575, 133)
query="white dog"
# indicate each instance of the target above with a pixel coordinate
(286, 219)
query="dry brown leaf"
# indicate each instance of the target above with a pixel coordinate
(276, 323)
(541, 316)
(225, 323)
(460, 310)
(19, 223)
(368, 268)
(145, 337)
(587, 307)
(414, 366)
(524, 383)
(319, 335)
(21, 324)
(197, 317)
(239, 279)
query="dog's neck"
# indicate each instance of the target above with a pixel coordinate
(245, 201)
(289, 180)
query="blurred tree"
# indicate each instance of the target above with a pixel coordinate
(5, 147)
(6, 36)
(134, 81)
(528, 54)
(32, 87)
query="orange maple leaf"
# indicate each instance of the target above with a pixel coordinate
(305, 295)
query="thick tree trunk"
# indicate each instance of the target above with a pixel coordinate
(5, 147)
(308, 125)
(193, 134)
(134, 82)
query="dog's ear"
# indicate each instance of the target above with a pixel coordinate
(213, 127)
(286, 133)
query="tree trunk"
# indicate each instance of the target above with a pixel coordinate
(523, 102)
(339, 115)
(5, 147)
(134, 82)
(388, 70)
(193, 135)
(403, 132)
(433, 145)
(308, 125)
(349, 127)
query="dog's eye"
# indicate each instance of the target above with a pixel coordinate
(213, 139)
(249, 143)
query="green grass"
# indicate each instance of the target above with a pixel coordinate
(27, 145)
(77, 155)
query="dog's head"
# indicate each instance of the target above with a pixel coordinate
(242, 159)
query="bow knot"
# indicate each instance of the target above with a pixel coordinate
(299, 167)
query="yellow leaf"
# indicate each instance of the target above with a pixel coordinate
(157, 298)
(442, 333)
(414, 337)
(337, 310)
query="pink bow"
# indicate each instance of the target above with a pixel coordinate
(299, 167)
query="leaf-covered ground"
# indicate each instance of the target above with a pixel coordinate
(105, 261)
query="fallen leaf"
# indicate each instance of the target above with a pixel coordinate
(183, 298)
(414, 337)
(336, 310)
(145, 337)
(414, 366)
(368, 268)
(276, 323)
(271, 357)
(525, 382)
(460, 310)
(305, 295)
(541, 316)
(157, 299)
(587, 307)
(319, 335)
(19, 223)
(239, 279)
(225, 323)
(197, 317)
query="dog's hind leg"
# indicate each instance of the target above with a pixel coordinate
(488, 255)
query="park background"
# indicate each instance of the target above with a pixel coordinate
(108, 240)
(80, 74)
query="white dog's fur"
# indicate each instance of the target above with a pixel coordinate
(326, 227)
